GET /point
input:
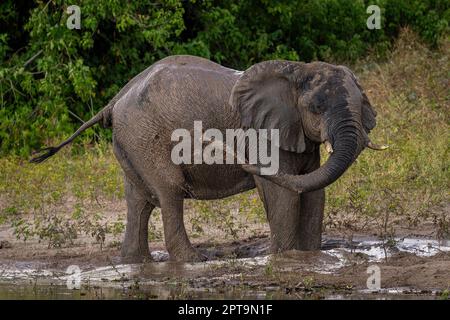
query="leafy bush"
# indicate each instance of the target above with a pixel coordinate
(51, 77)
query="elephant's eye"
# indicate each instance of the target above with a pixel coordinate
(317, 107)
(318, 103)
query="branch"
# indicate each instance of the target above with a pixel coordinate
(32, 58)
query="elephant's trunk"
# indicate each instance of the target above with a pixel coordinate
(347, 138)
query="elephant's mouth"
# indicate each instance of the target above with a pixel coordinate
(345, 139)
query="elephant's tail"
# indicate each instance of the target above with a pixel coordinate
(105, 115)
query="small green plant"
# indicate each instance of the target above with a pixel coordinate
(308, 283)
(51, 228)
(442, 223)
(268, 269)
(22, 229)
(196, 221)
(59, 230)
(403, 186)
(117, 228)
(155, 233)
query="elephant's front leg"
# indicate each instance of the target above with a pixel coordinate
(283, 213)
(295, 219)
(311, 218)
(311, 210)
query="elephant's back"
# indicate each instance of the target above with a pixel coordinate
(196, 84)
(176, 91)
(172, 94)
(183, 76)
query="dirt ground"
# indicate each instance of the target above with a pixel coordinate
(337, 271)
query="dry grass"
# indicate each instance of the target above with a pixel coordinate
(401, 187)
(410, 93)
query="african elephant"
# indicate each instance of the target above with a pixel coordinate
(310, 104)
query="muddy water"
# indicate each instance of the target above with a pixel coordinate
(166, 280)
(30, 291)
(61, 292)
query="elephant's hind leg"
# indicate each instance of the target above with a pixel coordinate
(177, 241)
(135, 245)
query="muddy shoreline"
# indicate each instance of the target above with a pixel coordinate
(411, 268)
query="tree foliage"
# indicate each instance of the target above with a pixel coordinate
(52, 77)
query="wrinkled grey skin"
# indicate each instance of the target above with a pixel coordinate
(309, 103)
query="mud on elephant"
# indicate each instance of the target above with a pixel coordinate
(309, 103)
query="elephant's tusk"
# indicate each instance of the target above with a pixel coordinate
(250, 168)
(374, 146)
(328, 147)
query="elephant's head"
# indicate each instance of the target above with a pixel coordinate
(317, 101)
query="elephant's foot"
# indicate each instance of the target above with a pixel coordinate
(310, 244)
(277, 247)
(187, 255)
(177, 242)
(136, 259)
(128, 255)
(135, 248)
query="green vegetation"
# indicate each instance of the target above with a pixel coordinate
(51, 77)
(402, 184)
(399, 187)
(63, 199)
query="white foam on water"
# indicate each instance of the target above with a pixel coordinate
(376, 252)
(159, 255)
(423, 247)
(419, 247)
(24, 274)
(108, 273)
(122, 272)
(329, 268)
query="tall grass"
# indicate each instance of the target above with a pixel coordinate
(403, 186)
(410, 93)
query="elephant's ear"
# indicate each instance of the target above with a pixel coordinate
(368, 113)
(266, 98)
